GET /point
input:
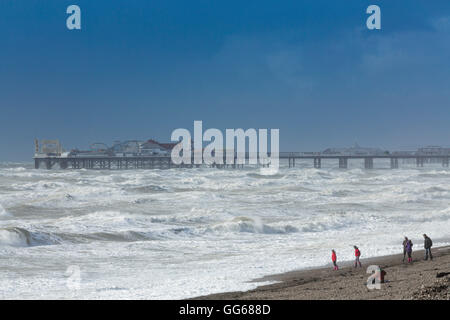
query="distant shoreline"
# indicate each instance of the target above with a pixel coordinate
(419, 280)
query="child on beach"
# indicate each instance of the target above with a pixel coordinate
(357, 255)
(334, 259)
(408, 249)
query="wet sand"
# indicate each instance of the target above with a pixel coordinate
(418, 280)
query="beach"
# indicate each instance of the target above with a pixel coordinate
(421, 280)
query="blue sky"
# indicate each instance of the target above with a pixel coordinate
(140, 69)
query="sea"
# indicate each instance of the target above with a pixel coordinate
(181, 233)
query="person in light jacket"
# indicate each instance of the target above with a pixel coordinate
(404, 248)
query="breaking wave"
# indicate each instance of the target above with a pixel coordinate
(251, 225)
(19, 237)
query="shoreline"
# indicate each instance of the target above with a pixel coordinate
(417, 280)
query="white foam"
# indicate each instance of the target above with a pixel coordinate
(3, 212)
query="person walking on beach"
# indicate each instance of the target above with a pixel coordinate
(408, 249)
(334, 259)
(357, 255)
(427, 245)
(404, 248)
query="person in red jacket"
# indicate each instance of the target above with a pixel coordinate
(334, 259)
(357, 255)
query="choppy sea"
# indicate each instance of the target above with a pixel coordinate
(178, 233)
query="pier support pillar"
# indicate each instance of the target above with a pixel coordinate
(317, 163)
(445, 162)
(394, 163)
(419, 162)
(368, 163)
(343, 163)
(36, 163)
(63, 164)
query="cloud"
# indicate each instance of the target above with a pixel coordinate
(442, 24)
(420, 51)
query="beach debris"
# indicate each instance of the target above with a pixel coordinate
(442, 274)
(437, 291)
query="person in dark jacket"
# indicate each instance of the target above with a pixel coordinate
(427, 244)
(404, 248)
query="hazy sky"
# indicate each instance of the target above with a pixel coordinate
(139, 69)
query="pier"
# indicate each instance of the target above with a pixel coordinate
(165, 161)
(152, 154)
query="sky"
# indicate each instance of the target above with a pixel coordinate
(140, 69)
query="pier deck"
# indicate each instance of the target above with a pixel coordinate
(165, 161)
